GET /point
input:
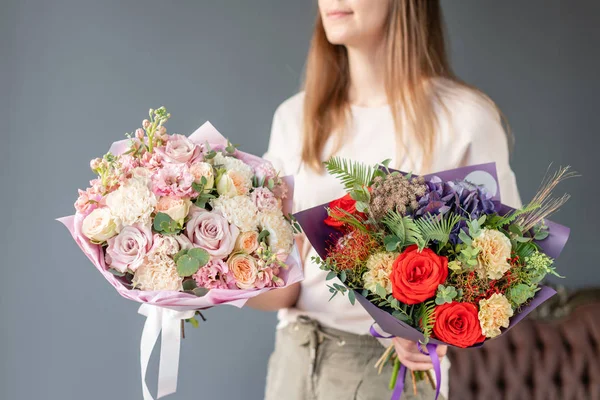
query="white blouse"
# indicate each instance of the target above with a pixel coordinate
(470, 132)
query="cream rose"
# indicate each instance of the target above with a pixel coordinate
(494, 252)
(99, 225)
(203, 170)
(247, 242)
(244, 270)
(493, 314)
(177, 209)
(225, 186)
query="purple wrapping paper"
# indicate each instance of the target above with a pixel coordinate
(319, 234)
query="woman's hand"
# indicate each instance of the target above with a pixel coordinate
(410, 356)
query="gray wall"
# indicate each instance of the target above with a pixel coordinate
(76, 74)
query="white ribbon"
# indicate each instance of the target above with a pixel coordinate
(169, 322)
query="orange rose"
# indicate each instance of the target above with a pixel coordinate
(244, 270)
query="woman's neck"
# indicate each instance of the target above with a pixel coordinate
(367, 76)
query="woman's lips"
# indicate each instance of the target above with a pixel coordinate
(338, 14)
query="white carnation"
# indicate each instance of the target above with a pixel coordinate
(133, 202)
(239, 211)
(158, 272)
(281, 235)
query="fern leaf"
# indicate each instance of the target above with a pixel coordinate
(351, 173)
(404, 228)
(426, 318)
(437, 227)
(513, 215)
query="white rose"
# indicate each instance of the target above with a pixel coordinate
(203, 169)
(226, 186)
(99, 225)
(177, 209)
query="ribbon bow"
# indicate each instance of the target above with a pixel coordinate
(435, 360)
(168, 321)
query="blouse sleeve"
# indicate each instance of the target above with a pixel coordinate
(282, 150)
(488, 143)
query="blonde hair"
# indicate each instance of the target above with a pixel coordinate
(415, 53)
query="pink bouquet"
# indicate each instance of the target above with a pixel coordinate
(182, 224)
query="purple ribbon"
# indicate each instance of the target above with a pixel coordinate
(435, 360)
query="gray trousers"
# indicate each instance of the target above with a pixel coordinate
(311, 362)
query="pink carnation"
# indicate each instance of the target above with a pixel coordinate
(265, 171)
(267, 277)
(265, 200)
(173, 180)
(215, 275)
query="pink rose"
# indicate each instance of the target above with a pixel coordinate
(265, 200)
(173, 180)
(180, 150)
(211, 232)
(128, 249)
(214, 275)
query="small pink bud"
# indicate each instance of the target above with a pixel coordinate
(162, 130)
(140, 133)
(145, 124)
(95, 163)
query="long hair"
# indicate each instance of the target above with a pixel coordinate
(415, 52)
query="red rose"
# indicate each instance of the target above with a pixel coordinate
(345, 203)
(457, 324)
(416, 275)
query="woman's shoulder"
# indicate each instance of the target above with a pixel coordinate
(292, 107)
(465, 108)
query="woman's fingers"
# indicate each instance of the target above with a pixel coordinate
(409, 354)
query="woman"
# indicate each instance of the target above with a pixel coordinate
(378, 85)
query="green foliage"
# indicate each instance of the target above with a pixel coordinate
(189, 285)
(293, 222)
(538, 265)
(193, 321)
(230, 149)
(520, 293)
(347, 218)
(189, 261)
(425, 316)
(445, 294)
(437, 227)
(263, 235)
(468, 257)
(166, 225)
(496, 221)
(405, 231)
(210, 153)
(352, 174)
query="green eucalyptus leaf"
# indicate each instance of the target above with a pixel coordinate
(199, 254)
(343, 276)
(200, 291)
(381, 292)
(189, 285)
(264, 234)
(351, 297)
(330, 275)
(187, 266)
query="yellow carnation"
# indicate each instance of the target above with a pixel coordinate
(493, 314)
(494, 252)
(379, 268)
